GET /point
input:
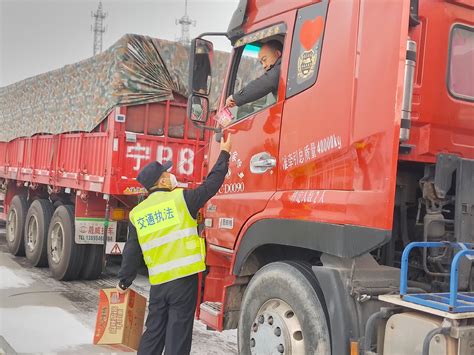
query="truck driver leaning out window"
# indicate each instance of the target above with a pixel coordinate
(163, 233)
(270, 59)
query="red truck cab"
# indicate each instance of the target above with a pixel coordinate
(369, 139)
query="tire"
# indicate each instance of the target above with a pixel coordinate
(283, 311)
(65, 257)
(93, 262)
(16, 225)
(57, 203)
(36, 232)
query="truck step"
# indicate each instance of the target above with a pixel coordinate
(213, 308)
(211, 314)
(452, 301)
(441, 301)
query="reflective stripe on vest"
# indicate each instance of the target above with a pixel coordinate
(167, 234)
(172, 237)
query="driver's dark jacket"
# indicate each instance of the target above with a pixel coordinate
(260, 87)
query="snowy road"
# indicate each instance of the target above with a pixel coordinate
(41, 315)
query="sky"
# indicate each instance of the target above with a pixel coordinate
(37, 36)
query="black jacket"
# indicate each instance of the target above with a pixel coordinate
(260, 87)
(132, 257)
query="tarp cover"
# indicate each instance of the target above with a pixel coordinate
(135, 70)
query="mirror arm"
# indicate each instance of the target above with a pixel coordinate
(210, 128)
(213, 34)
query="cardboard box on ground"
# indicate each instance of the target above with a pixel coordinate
(120, 319)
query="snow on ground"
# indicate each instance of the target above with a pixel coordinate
(39, 314)
(33, 329)
(11, 279)
(213, 343)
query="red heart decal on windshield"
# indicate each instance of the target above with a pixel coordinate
(310, 32)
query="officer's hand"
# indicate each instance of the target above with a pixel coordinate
(230, 101)
(227, 144)
(119, 289)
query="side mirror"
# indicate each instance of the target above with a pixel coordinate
(200, 66)
(198, 109)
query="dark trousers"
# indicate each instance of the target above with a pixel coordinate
(169, 324)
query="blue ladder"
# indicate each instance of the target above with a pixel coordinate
(452, 301)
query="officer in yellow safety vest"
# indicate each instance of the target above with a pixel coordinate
(163, 233)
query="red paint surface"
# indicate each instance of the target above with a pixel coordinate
(89, 162)
(357, 98)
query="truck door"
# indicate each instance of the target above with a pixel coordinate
(255, 129)
(341, 123)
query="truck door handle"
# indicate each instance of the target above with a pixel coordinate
(262, 162)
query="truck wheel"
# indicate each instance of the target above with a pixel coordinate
(16, 225)
(65, 257)
(36, 231)
(93, 262)
(283, 312)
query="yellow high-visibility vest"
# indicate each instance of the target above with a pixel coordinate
(167, 234)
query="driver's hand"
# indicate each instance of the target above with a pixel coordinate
(230, 101)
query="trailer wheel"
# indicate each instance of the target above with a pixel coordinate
(283, 312)
(16, 225)
(65, 257)
(57, 203)
(93, 262)
(36, 231)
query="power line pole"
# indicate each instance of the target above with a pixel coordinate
(98, 28)
(185, 23)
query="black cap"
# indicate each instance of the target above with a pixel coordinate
(152, 172)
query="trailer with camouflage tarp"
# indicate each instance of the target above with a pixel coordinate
(74, 139)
